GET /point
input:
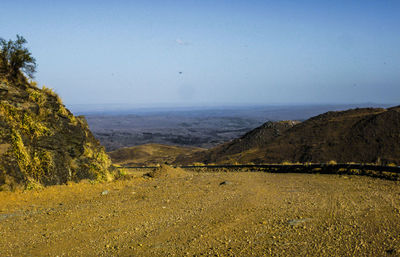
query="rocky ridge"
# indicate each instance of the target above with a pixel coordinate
(42, 142)
(362, 135)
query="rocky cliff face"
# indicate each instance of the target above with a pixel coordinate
(42, 142)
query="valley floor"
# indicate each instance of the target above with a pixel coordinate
(203, 214)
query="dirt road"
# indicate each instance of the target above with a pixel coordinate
(206, 214)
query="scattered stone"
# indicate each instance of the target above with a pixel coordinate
(105, 192)
(225, 183)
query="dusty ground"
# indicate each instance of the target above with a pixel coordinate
(194, 214)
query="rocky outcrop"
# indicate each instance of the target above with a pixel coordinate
(42, 142)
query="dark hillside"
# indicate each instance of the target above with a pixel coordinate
(358, 135)
(257, 138)
(369, 135)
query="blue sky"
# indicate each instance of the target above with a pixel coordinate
(155, 53)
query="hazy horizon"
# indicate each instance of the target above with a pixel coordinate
(212, 53)
(126, 109)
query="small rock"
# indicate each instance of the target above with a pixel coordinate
(225, 183)
(105, 192)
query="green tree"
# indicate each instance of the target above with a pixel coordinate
(15, 59)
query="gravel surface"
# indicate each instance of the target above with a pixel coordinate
(206, 214)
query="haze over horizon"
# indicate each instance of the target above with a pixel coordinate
(183, 53)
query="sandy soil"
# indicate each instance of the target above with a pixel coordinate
(206, 214)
